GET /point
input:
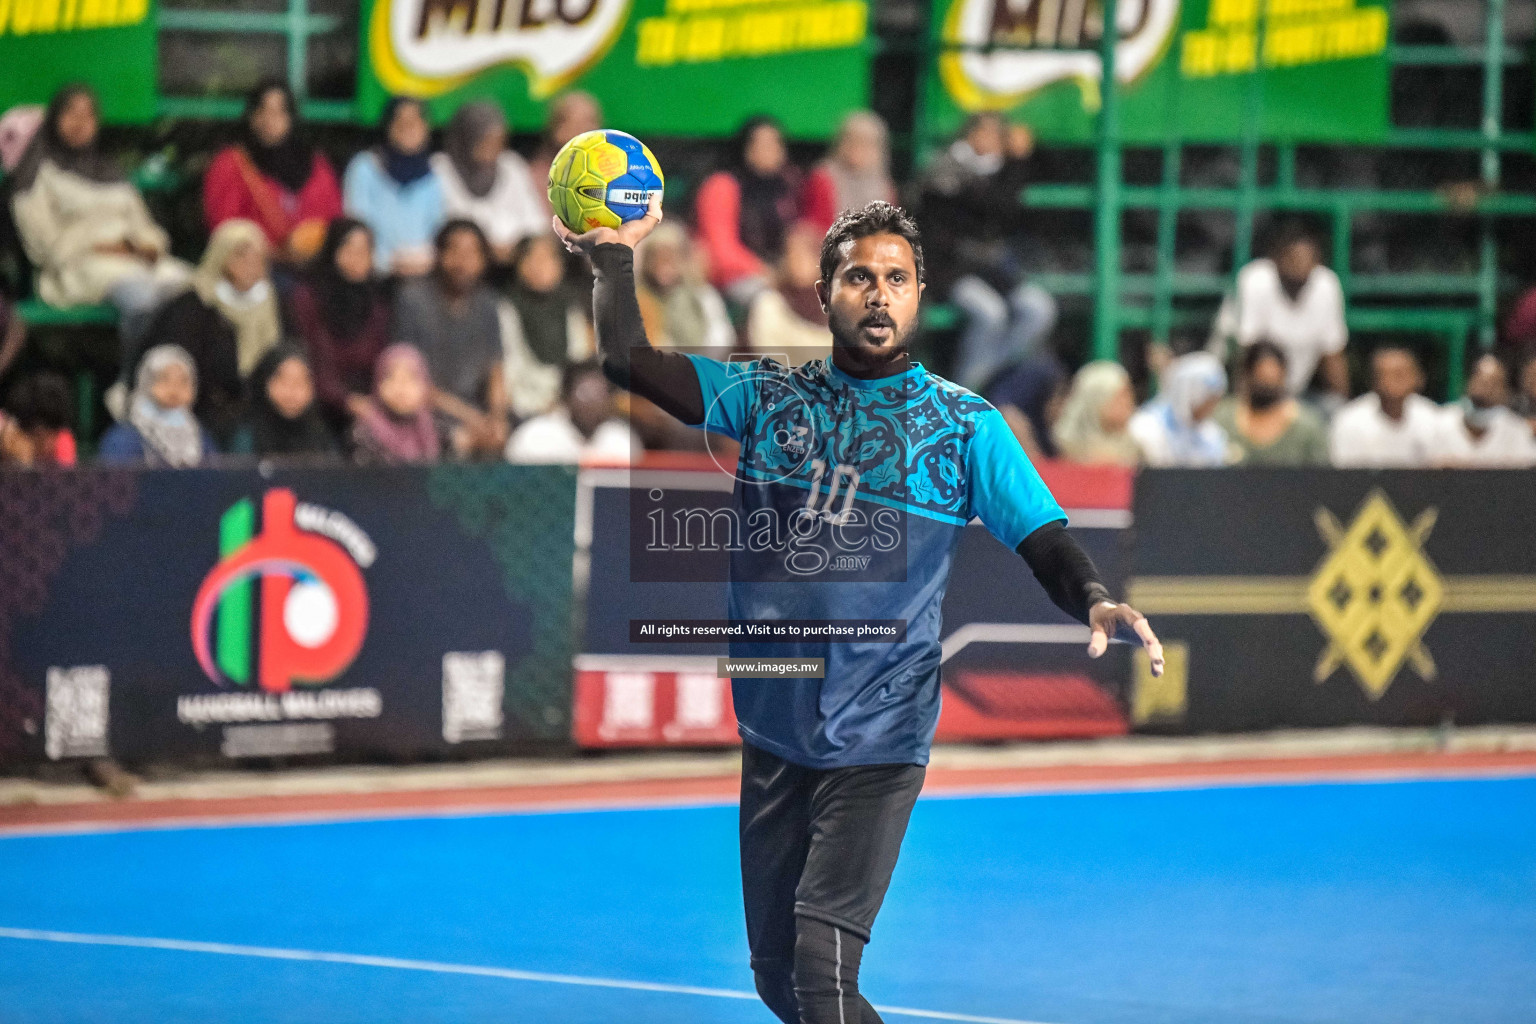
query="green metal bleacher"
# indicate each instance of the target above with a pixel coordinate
(1455, 306)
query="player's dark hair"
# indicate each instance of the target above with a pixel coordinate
(877, 218)
(1259, 351)
(40, 402)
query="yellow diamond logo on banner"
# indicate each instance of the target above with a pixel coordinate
(1375, 594)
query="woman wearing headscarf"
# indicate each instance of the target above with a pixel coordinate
(225, 322)
(273, 177)
(486, 182)
(160, 429)
(1092, 426)
(855, 173)
(85, 229)
(396, 425)
(343, 317)
(679, 307)
(1177, 428)
(787, 318)
(283, 418)
(544, 328)
(744, 212)
(394, 190)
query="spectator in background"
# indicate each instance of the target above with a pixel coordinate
(485, 182)
(679, 307)
(743, 213)
(1176, 428)
(396, 425)
(13, 334)
(1480, 430)
(1391, 426)
(1520, 328)
(84, 227)
(1525, 399)
(788, 317)
(1094, 419)
(1294, 301)
(160, 428)
(1268, 425)
(225, 322)
(855, 173)
(18, 125)
(35, 427)
(283, 418)
(544, 328)
(582, 428)
(274, 177)
(971, 211)
(343, 318)
(394, 190)
(1030, 397)
(570, 114)
(450, 316)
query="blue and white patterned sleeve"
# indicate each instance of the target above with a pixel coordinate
(1005, 489)
(729, 391)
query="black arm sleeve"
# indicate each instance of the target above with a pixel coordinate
(1064, 570)
(666, 378)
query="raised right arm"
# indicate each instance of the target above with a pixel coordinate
(665, 378)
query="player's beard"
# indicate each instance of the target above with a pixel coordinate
(868, 356)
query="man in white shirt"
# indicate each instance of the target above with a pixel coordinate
(1294, 301)
(581, 429)
(1391, 426)
(1480, 431)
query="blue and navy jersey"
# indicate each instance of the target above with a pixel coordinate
(853, 494)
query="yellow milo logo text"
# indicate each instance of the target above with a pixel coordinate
(1039, 43)
(1287, 33)
(701, 31)
(41, 17)
(429, 47)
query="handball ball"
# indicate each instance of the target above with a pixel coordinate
(602, 179)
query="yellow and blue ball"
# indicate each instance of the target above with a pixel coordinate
(601, 179)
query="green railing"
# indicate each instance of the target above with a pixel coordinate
(296, 24)
(1146, 302)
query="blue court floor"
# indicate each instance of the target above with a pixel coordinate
(1383, 903)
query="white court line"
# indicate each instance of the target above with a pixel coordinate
(435, 967)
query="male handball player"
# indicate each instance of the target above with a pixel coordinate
(845, 447)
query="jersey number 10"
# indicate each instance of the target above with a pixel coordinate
(840, 474)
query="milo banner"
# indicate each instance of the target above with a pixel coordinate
(677, 67)
(220, 613)
(1322, 597)
(1183, 66)
(109, 44)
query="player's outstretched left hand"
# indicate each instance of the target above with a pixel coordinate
(1106, 619)
(629, 233)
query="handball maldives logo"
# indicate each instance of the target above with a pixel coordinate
(312, 615)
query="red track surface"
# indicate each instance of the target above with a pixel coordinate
(722, 789)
